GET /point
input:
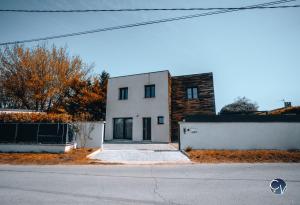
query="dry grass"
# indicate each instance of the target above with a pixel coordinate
(243, 156)
(76, 156)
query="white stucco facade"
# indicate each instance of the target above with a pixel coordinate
(138, 107)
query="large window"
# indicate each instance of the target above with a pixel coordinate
(123, 94)
(122, 128)
(149, 91)
(192, 93)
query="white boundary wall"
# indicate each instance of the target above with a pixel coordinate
(240, 135)
(35, 148)
(90, 134)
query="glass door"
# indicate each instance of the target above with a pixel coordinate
(123, 128)
(128, 128)
(146, 128)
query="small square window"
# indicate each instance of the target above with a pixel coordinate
(192, 93)
(160, 120)
(149, 91)
(123, 93)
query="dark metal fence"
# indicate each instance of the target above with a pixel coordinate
(36, 133)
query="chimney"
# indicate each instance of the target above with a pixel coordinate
(287, 104)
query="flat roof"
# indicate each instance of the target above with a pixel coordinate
(140, 74)
(7, 110)
(195, 74)
(188, 75)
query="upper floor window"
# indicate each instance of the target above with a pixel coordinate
(192, 93)
(149, 91)
(123, 93)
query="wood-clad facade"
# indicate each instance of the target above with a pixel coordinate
(199, 100)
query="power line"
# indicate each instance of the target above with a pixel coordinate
(140, 23)
(144, 9)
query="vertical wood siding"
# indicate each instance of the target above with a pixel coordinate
(181, 106)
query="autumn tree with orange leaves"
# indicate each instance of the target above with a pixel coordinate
(49, 80)
(88, 98)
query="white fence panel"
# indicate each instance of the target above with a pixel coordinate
(90, 134)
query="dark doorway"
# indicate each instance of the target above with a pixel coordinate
(123, 128)
(146, 128)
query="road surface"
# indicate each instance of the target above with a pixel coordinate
(156, 184)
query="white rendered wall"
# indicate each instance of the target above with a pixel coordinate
(35, 148)
(137, 106)
(90, 134)
(240, 135)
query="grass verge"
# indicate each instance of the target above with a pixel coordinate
(76, 156)
(243, 156)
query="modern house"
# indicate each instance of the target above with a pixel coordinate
(148, 106)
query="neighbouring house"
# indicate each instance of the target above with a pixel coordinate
(148, 106)
(4, 110)
(291, 110)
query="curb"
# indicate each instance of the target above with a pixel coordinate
(94, 153)
(147, 162)
(184, 152)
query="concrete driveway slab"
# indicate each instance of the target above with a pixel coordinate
(140, 154)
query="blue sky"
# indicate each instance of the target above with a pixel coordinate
(254, 53)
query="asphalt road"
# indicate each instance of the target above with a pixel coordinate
(157, 184)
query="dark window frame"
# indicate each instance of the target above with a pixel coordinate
(151, 90)
(124, 128)
(193, 97)
(123, 93)
(160, 118)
